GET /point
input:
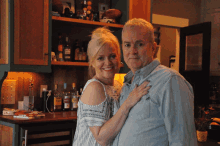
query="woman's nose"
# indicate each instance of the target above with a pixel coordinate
(108, 61)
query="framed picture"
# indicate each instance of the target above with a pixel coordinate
(69, 4)
(102, 8)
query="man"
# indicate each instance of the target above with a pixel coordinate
(164, 116)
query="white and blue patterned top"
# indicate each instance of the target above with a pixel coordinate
(92, 115)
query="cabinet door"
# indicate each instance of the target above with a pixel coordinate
(31, 31)
(140, 9)
(6, 135)
(4, 32)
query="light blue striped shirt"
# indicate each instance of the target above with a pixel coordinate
(163, 117)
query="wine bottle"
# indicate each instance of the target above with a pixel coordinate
(67, 51)
(74, 98)
(76, 50)
(66, 98)
(57, 100)
(60, 49)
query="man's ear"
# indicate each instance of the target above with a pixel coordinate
(155, 50)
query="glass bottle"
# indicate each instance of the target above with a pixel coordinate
(77, 50)
(60, 48)
(66, 98)
(74, 98)
(57, 102)
(67, 51)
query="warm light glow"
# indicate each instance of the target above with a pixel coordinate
(119, 77)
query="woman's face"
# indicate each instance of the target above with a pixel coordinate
(106, 62)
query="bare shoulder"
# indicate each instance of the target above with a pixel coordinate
(94, 94)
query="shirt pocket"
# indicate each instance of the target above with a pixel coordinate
(141, 110)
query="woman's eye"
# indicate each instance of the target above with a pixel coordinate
(100, 58)
(113, 56)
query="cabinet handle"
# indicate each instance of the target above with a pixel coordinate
(25, 138)
(46, 53)
(219, 63)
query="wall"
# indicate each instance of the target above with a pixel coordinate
(189, 9)
(168, 44)
(22, 86)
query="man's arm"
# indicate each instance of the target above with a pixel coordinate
(177, 109)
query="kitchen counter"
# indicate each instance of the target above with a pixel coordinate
(58, 127)
(49, 117)
(209, 142)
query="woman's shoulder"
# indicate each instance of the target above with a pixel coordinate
(93, 94)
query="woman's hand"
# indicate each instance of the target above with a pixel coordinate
(136, 94)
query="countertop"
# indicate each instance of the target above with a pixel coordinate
(49, 117)
(209, 142)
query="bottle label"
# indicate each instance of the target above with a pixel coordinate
(57, 103)
(80, 56)
(77, 54)
(67, 51)
(60, 47)
(66, 102)
(60, 55)
(84, 56)
(75, 102)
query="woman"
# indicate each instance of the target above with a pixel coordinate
(96, 124)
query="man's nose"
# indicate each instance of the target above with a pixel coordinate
(134, 50)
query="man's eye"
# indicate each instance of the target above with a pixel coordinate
(140, 44)
(127, 45)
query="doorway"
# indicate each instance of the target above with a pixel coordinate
(170, 37)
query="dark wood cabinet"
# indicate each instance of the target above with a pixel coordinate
(31, 32)
(25, 41)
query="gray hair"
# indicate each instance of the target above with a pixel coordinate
(143, 24)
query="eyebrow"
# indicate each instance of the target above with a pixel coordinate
(138, 41)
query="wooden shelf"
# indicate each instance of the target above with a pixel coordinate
(73, 63)
(87, 22)
(70, 63)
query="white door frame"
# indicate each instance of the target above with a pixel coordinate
(171, 22)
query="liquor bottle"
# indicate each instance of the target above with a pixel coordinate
(74, 98)
(84, 8)
(76, 50)
(57, 99)
(84, 51)
(60, 49)
(66, 98)
(67, 51)
(80, 54)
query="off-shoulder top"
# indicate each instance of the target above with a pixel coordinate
(92, 115)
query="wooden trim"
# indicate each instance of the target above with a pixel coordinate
(140, 9)
(4, 32)
(16, 31)
(169, 21)
(46, 31)
(70, 63)
(130, 9)
(86, 22)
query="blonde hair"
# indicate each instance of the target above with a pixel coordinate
(147, 26)
(99, 39)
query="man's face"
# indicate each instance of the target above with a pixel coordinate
(137, 50)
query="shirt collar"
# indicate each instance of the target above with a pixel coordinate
(145, 71)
